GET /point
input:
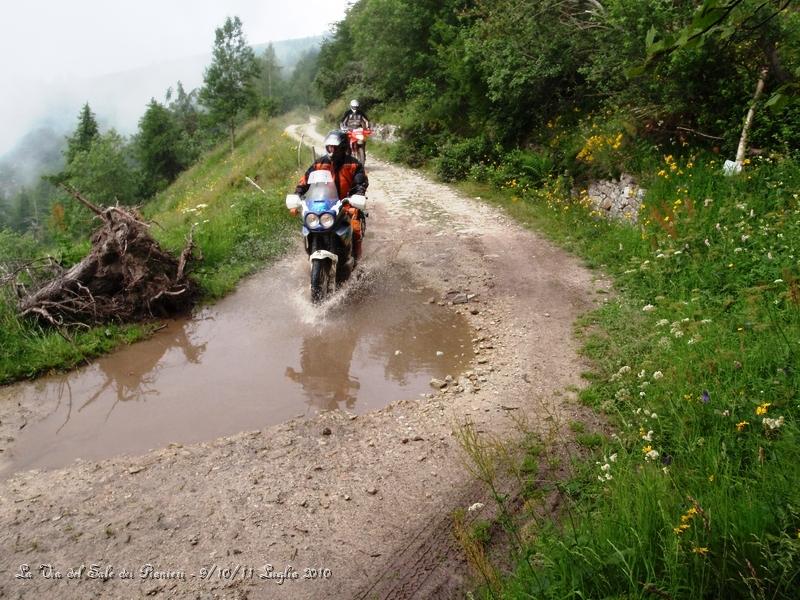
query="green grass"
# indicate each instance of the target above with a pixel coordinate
(238, 229)
(696, 495)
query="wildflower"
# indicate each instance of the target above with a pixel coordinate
(647, 449)
(706, 242)
(648, 308)
(648, 437)
(778, 281)
(772, 423)
(653, 416)
(613, 457)
(701, 550)
(680, 528)
(677, 333)
(652, 455)
(658, 375)
(706, 397)
(661, 323)
(761, 409)
(741, 425)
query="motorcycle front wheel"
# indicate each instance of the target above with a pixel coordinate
(362, 155)
(320, 279)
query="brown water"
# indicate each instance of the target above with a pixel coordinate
(261, 356)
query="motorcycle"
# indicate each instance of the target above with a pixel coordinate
(358, 143)
(327, 232)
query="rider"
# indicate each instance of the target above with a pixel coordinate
(354, 118)
(349, 176)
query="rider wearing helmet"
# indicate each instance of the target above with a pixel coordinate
(349, 177)
(354, 118)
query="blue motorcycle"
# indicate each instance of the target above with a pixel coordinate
(327, 233)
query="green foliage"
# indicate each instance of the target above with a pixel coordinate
(228, 83)
(504, 69)
(104, 173)
(695, 359)
(158, 149)
(85, 133)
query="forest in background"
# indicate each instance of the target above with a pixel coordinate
(173, 133)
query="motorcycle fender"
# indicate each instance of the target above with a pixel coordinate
(323, 254)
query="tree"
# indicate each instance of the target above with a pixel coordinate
(158, 148)
(228, 82)
(85, 133)
(104, 173)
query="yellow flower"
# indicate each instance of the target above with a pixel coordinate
(701, 550)
(741, 425)
(680, 529)
(762, 409)
(646, 449)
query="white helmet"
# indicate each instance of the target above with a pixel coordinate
(354, 105)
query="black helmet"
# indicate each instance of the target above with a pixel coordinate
(338, 139)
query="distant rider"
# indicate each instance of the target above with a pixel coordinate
(354, 118)
(349, 176)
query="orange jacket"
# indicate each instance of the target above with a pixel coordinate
(349, 176)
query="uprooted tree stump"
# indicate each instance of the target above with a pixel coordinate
(125, 277)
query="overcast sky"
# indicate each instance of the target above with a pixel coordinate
(46, 43)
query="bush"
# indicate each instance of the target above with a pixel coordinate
(456, 158)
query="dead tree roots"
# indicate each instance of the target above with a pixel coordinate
(125, 277)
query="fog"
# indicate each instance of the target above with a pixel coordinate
(56, 56)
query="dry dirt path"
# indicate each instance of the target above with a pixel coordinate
(355, 507)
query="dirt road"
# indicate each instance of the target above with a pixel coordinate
(334, 506)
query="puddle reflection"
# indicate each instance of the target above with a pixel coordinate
(236, 368)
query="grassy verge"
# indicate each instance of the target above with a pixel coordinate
(697, 363)
(237, 229)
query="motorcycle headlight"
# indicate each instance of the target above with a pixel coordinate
(312, 221)
(326, 220)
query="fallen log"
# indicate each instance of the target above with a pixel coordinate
(125, 277)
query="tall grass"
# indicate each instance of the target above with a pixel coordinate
(697, 364)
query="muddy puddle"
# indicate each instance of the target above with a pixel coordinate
(261, 356)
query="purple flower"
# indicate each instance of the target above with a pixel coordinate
(706, 398)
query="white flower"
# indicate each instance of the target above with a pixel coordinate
(706, 321)
(648, 437)
(665, 469)
(772, 423)
(623, 370)
(658, 375)
(653, 416)
(662, 322)
(476, 506)
(745, 238)
(652, 455)
(677, 333)
(201, 206)
(648, 308)
(642, 394)
(605, 467)
(707, 243)
(613, 457)
(778, 281)
(660, 256)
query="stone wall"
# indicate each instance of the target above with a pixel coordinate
(618, 200)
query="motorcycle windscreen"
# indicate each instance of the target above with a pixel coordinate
(321, 189)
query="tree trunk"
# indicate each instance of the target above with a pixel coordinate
(232, 128)
(740, 152)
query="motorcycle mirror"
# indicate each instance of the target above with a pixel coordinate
(293, 201)
(358, 201)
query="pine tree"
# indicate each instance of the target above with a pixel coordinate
(157, 148)
(86, 132)
(228, 82)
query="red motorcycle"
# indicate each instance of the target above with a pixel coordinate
(358, 142)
